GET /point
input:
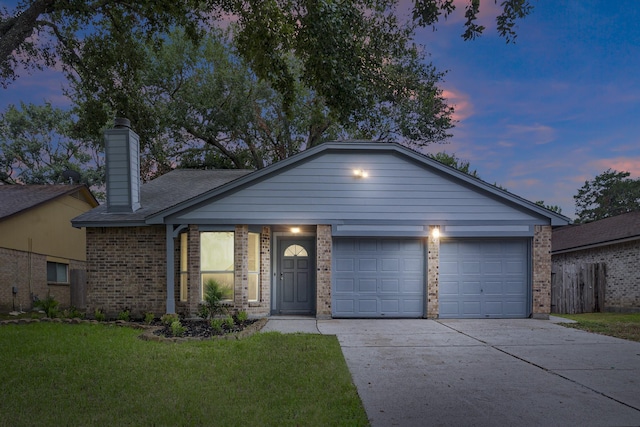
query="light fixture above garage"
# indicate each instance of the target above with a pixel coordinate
(360, 173)
(435, 233)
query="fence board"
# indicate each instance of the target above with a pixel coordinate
(578, 288)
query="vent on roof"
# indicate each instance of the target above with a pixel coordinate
(122, 151)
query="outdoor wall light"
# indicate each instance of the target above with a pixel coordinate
(359, 173)
(295, 230)
(435, 232)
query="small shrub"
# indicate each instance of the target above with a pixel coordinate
(177, 329)
(148, 318)
(124, 315)
(72, 313)
(203, 311)
(168, 319)
(99, 315)
(216, 325)
(229, 322)
(49, 305)
(213, 298)
(242, 316)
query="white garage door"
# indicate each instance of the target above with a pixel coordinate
(484, 278)
(375, 277)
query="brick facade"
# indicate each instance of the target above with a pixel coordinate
(541, 274)
(323, 276)
(28, 273)
(433, 266)
(622, 291)
(126, 269)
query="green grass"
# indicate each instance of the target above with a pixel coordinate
(620, 325)
(88, 374)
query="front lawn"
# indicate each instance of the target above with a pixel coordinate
(95, 374)
(620, 325)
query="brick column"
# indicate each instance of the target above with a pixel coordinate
(541, 274)
(323, 276)
(433, 264)
(194, 286)
(241, 267)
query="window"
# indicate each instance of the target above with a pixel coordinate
(254, 267)
(216, 261)
(295, 250)
(57, 272)
(184, 266)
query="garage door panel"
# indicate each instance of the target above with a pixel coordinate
(390, 286)
(367, 286)
(413, 286)
(388, 273)
(493, 288)
(345, 285)
(481, 278)
(368, 264)
(390, 265)
(471, 308)
(367, 306)
(345, 265)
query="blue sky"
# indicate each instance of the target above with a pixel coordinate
(556, 108)
(538, 117)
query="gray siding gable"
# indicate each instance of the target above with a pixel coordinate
(319, 186)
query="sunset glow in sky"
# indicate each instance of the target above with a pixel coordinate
(538, 117)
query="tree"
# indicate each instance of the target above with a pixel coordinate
(608, 194)
(201, 104)
(455, 162)
(554, 208)
(325, 35)
(37, 146)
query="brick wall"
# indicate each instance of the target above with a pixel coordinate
(28, 272)
(433, 265)
(323, 276)
(623, 272)
(541, 274)
(126, 269)
(194, 292)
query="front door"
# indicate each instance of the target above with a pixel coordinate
(295, 286)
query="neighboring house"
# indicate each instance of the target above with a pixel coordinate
(613, 241)
(40, 252)
(356, 229)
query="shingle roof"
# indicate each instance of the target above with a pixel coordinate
(162, 193)
(18, 198)
(597, 233)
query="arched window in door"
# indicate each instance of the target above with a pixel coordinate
(295, 250)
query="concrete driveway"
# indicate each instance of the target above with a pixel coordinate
(489, 373)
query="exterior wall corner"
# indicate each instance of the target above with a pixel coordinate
(541, 271)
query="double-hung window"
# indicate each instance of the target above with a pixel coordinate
(217, 263)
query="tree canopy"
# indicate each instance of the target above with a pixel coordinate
(609, 194)
(36, 147)
(202, 104)
(328, 36)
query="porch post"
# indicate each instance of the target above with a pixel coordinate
(171, 299)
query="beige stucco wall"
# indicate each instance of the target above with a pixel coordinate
(47, 230)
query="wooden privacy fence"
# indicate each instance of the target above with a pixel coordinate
(578, 288)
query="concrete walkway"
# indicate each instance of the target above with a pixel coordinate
(520, 372)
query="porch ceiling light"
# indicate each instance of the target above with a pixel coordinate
(295, 230)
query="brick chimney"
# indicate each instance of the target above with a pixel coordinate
(122, 150)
